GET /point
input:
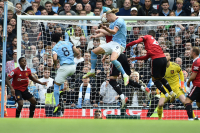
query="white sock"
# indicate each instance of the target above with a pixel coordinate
(124, 75)
(166, 94)
(122, 96)
(92, 70)
(171, 93)
(142, 88)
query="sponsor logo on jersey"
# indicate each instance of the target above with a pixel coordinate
(18, 97)
(19, 79)
(172, 71)
(20, 75)
(26, 74)
(196, 68)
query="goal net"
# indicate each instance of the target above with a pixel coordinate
(34, 43)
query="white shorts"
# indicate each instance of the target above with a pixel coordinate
(112, 47)
(63, 72)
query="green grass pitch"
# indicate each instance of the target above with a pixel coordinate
(12, 125)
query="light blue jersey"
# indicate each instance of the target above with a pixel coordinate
(120, 36)
(64, 52)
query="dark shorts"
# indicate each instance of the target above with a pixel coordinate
(158, 67)
(194, 94)
(19, 95)
(124, 62)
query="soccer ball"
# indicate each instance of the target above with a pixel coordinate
(103, 18)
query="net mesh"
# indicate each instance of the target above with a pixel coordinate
(177, 37)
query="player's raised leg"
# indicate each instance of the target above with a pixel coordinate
(57, 88)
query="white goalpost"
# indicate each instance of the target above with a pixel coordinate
(137, 26)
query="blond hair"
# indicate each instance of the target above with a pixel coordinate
(196, 3)
(179, 1)
(114, 10)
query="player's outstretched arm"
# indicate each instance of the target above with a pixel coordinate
(98, 35)
(113, 32)
(134, 42)
(9, 85)
(76, 51)
(37, 81)
(104, 32)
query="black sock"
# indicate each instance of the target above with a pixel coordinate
(166, 84)
(115, 86)
(159, 86)
(188, 108)
(18, 112)
(32, 111)
(154, 104)
(134, 84)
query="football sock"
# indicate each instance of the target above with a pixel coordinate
(160, 87)
(193, 114)
(56, 93)
(93, 60)
(166, 84)
(32, 110)
(115, 86)
(160, 111)
(18, 112)
(119, 67)
(189, 110)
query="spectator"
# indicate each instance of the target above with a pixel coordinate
(10, 7)
(88, 10)
(188, 89)
(44, 12)
(134, 11)
(188, 69)
(196, 8)
(35, 62)
(198, 31)
(166, 10)
(179, 11)
(79, 57)
(25, 40)
(109, 4)
(48, 7)
(48, 50)
(108, 94)
(25, 4)
(136, 4)
(125, 11)
(79, 7)
(187, 37)
(40, 70)
(31, 7)
(179, 61)
(186, 58)
(142, 69)
(14, 26)
(91, 2)
(28, 56)
(172, 34)
(73, 4)
(11, 65)
(99, 4)
(86, 61)
(178, 49)
(85, 95)
(56, 7)
(34, 33)
(146, 9)
(10, 33)
(18, 10)
(120, 3)
(1, 55)
(95, 44)
(164, 46)
(188, 46)
(50, 65)
(83, 44)
(67, 9)
(191, 28)
(75, 38)
(13, 47)
(197, 42)
(138, 97)
(83, 22)
(43, 89)
(10, 15)
(1, 13)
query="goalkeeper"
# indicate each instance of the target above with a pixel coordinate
(172, 74)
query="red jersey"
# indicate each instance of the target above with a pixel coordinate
(196, 69)
(152, 47)
(20, 78)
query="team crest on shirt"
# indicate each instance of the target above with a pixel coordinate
(172, 71)
(18, 97)
(26, 74)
